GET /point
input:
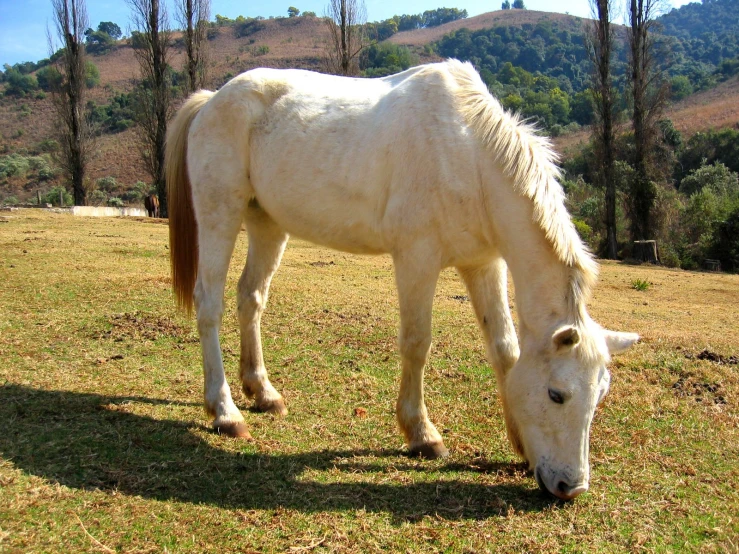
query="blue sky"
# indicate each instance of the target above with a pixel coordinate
(23, 23)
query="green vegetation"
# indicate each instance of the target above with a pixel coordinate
(116, 116)
(58, 194)
(33, 169)
(697, 202)
(640, 284)
(385, 58)
(381, 30)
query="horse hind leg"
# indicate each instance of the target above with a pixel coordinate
(266, 244)
(218, 227)
(416, 282)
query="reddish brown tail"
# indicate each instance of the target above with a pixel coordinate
(183, 228)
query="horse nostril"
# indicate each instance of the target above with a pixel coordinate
(563, 487)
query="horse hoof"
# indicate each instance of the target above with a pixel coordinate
(274, 407)
(236, 430)
(430, 451)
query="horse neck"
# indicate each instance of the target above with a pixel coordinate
(545, 286)
(544, 294)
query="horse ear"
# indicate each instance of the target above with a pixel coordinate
(566, 337)
(619, 342)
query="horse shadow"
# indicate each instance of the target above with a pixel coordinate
(94, 442)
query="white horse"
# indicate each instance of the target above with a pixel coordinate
(424, 165)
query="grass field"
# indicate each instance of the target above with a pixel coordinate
(105, 446)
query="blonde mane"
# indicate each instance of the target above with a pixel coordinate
(530, 161)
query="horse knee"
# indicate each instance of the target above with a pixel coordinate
(414, 347)
(250, 304)
(505, 353)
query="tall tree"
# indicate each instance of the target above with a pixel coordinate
(347, 38)
(600, 48)
(154, 101)
(193, 16)
(68, 94)
(648, 96)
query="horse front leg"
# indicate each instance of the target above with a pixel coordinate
(488, 289)
(416, 281)
(266, 244)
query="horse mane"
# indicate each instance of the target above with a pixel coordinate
(529, 160)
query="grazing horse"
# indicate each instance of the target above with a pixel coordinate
(151, 203)
(427, 167)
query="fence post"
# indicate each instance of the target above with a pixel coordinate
(61, 197)
(38, 194)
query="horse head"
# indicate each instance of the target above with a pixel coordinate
(552, 393)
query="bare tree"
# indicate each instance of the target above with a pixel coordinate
(68, 94)
(152, 40)
(345, 20)
(600, 47)
(193, 16)
(648, 95)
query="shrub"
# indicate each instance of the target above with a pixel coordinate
(92, 75)
(115, 202)
(10, 200)
(49, 78)
(716, 177)
(48, 145)
(13, 165)
(725, 243)
(640, 284)
(97, 198)
(52, 197)
(669, 257)
(19, 84)
(583, 229)
(107, 184)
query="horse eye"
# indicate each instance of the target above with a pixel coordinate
(556, 397)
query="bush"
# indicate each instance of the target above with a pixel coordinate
(115, 202)
(97, 198)
(10, 200)
(14, 165)
(52, 197)
(49, 78)
(106, 184)
(716, 177)
(725, 243)
(19, 84)
(92, 75)
(583, 229)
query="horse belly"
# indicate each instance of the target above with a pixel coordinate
(325, 186)
(314, 202)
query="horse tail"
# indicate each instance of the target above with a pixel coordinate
(183, 228)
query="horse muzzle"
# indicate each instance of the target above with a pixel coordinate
(558, 484)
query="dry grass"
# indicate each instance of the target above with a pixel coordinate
(105, 445)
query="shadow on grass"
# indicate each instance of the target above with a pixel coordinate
(90, 442)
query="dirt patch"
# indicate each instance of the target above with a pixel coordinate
(714, 357)
(709, 393)
(322, 264)
(143, 326)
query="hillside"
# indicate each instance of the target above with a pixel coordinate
(716, 108)
(300, 42)
(515, 18)
(26, 122)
